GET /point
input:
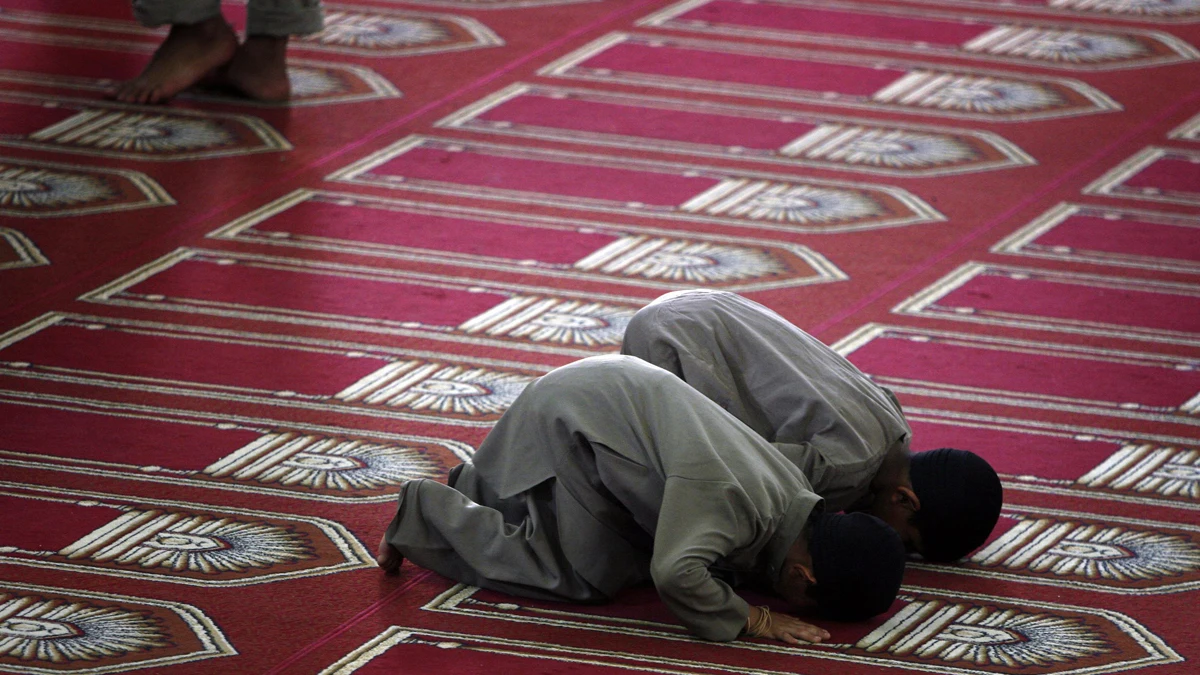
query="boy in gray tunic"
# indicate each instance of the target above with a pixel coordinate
(610, 472)
(844, 432)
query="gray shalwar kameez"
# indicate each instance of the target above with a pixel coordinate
(603, 474)
(819, 411)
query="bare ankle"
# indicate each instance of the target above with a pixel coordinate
(212, 27)
(264, 45)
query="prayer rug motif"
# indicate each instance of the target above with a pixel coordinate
(376, 32)
(18, 250)
(226, 283)
(87, 127)
(1043, 375)
(609, 184)
(439, 389)
(961, 36)
(930, 630)
(1108, 235)
(994, 635)
(1188, 131)
(1169, 471)
(317, 83)
(223, 452)
(169, 541)
(286, 371)
(1155, 174)
(1148, 11)
(404, 232)
(33, 189)
(1070, 460)
(1086, 304)
(637, 122)
(1091, 552)
(313, 82)
(349, 29)
(830, 79)
(45, 629)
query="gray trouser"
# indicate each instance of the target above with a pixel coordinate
(275, 18)
(508, 545)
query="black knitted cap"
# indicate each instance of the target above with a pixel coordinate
(960, 498)
(858, 562)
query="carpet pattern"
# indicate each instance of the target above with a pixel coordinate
(229, 331)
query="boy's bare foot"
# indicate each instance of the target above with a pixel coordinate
(259, 68)
(188, 54)
(388, 558)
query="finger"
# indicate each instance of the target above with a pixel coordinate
(786, 637)
(807, 633)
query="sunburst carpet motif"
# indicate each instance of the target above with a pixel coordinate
(230, 331)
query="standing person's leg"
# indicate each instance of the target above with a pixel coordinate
(200, 41)
(439, 528)
(259, 68)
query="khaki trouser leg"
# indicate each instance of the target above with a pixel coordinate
(439, 528)
(280, 18)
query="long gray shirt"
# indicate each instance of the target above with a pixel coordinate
(652, 479)
(819, 411)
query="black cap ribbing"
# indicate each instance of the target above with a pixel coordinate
(858, 562)
(960, 498)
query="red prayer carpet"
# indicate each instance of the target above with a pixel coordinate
(230, 331)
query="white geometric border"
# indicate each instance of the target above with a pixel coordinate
(564, 67)
(1011, 155)
(665, 19)
(133, 472)
(242, 229)
(868, 332)
(354, 555)
(1023, 241)
(1052, 486)
(482, 35)
(395, 635)
(1079, 9)
(999, 574)
(28, 254)
(924, 302)
(451, 601)
(359, 173)
(272, 140)
(114, 293)
(242, 394)
(205, 629)
(1110, 184)
(1188, 131)
(152, 194)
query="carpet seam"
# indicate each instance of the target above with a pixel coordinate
(350, 623)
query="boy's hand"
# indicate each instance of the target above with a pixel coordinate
(783, 627)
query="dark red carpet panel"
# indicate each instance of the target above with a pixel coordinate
(230, 331)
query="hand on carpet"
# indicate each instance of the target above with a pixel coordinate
(387, 557)
(763, 623)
